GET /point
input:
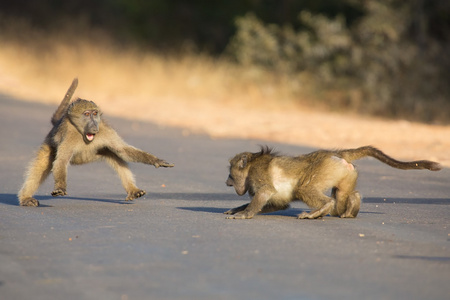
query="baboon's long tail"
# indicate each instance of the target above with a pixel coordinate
(354, 154)
(59, 113)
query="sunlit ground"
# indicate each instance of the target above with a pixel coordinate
(202, 94)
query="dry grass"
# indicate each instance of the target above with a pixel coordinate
(111, 75)
(197, 92)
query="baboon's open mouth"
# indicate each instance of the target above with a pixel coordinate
(90, 137)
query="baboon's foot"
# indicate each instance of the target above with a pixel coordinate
(304, 215)
(29, 201)
(135, 194)
(241, 215)
(59, 192)
(347, 215)
(307, 215)
(318, 213)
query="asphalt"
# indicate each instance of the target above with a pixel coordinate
(175, 242)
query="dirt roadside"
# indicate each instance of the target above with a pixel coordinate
(402, 139)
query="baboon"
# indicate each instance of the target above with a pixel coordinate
(80, 135)
(273, 180)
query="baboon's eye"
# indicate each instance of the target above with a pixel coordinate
(86, 113)
(95, 112)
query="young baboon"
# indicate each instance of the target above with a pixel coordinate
(80, 135)
(273, 181)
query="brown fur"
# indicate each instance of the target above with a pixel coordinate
(79, 135)
(273, 181)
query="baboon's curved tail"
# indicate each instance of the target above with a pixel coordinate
(61, 110)
(354, 154)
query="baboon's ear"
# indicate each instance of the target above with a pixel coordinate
(243, 161)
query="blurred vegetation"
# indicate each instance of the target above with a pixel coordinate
(389, 62)
(384, 57)
(163, 24)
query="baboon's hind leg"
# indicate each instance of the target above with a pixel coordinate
(353, 205)
(315, 196)
(348, 201)
(38, 171)
(126, 177)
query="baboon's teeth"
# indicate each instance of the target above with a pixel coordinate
(90, 137)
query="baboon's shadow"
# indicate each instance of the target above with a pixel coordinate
(439, 201)
(11, 199)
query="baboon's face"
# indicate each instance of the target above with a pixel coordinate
(92, 121)
(85, 115)
(238, 174)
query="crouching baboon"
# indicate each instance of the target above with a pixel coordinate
(273, 181)
(79, 135)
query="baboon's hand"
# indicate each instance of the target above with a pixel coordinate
(29, 202)
(59, 192)
(232, 211)
(241, 215)
(162, 163)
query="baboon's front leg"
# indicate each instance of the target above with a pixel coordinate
(270, 207)
(255, 206)
(133, 154)
(38, 171)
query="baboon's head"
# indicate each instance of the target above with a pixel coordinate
(239, 167)
(85, 116)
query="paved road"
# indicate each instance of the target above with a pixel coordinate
(175, 243)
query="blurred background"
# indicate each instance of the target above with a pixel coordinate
(388, 58)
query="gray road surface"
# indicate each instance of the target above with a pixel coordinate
(175, 243)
